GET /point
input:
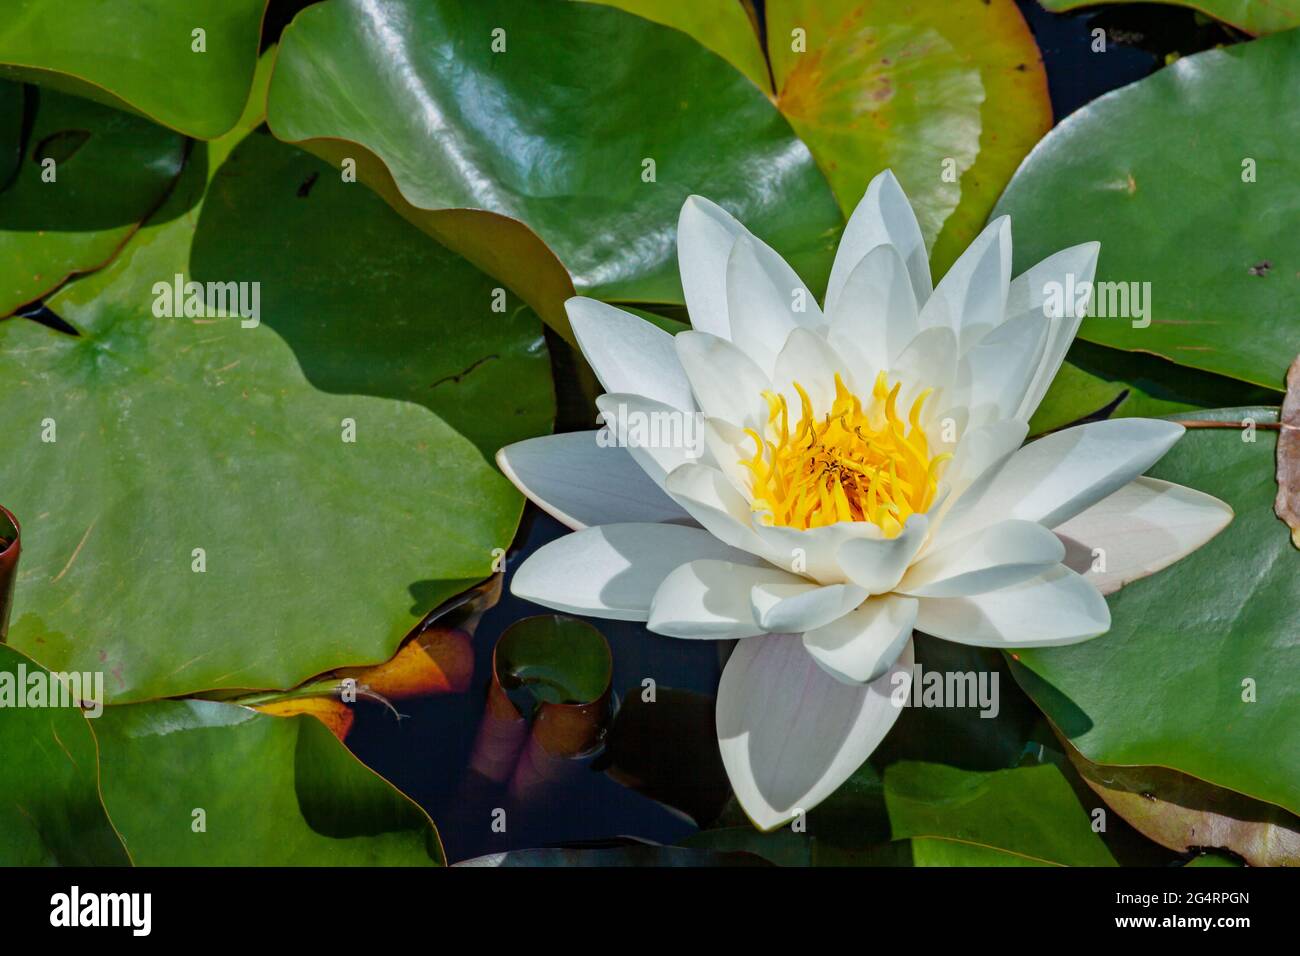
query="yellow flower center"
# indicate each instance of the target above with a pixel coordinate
(858, 463)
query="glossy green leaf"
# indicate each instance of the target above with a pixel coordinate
(1169, 684)
(201, 783)
(1253, 16)
(202, 433)
(724, 26)
(1096, 381)
(368, 305)
(50, 810)
(1029, 811)
(442, 124)
(1214, 859)
(950, 96)
(144, 55)
(109, 171)
(1206, 221)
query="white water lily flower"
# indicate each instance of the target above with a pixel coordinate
(860, 474)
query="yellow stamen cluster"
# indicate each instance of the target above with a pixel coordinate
(858, 463)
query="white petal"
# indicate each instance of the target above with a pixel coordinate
(928, 361)
(711, 500)
(982, 448)
(1068, 268)
(1004, 363)
(878, 565)
(658, 436)
(861, 646)
(1145, 526)
(711, 599)
(613, 570)
(995, 557)
(764, 296)
(629, 354)
(1057, 607)
(725, 447)
(875, 315)
(792, 607)
(883, 216)
(1054, 478)
(576, 481)
(972, 298)
(790, 733)
(726, 382)
(1071, 268)
(808, 359)
(705, 234)
(814, 552)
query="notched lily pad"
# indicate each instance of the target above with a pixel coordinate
(244, 528)
(89, 176)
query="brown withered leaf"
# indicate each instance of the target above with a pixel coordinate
(1186, 814)
(10, 548)
(330, 711)
(1287, 505)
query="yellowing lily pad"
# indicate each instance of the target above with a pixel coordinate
(726, 27)
(951, 96)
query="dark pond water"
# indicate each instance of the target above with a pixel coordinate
(427, 753)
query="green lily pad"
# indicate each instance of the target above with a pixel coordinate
(1214, 859)
(1111, 383)
(950, 96)
(201, 783)
(1167, 686)
(520, 146)
(201, 433)
(110, 171)
(1253, 16)
(141, 55)
(1029, 811)
(50, 810)
(1170, 204)
(360, 282)
(724, 26)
